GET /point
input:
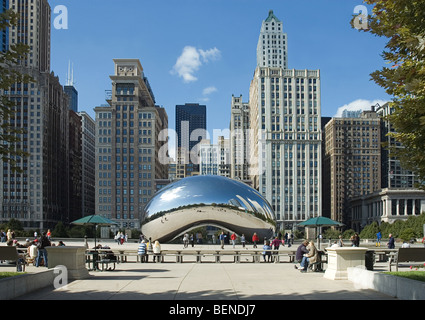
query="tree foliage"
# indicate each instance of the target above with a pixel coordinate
(10, 74)
(402, 22)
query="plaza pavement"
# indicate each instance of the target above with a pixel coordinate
(205, 281)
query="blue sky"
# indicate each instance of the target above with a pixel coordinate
(220, 37)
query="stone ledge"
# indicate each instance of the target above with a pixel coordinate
(398, 287)
(14, 287)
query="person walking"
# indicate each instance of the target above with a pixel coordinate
(391, 242)
(378, 239)
(243, 241)
(255, 240)
(233, 238)
(340, 242)
(222, 238)
(185, 240)
(43, 242)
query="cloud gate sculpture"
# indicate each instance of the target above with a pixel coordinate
(207, 200)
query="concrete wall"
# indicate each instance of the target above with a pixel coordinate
(398, 287)
(13, 287)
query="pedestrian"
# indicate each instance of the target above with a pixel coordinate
(185, 240)
(192, 241)
(301, 250)
(233, 238)
(255, 240)
(43, 242)
(378, 239)
(156, 251)
(340, 242)
(355, 240)
(423, 241)
(49, 235)
(276, 243)
(290, 239)
(391, 242)
(143, 252)
(267, 252)
(243, 241)
(222, 238)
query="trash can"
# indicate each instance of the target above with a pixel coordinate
(369, 256)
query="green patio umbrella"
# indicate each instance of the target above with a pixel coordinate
(94, 220)
(318, 222)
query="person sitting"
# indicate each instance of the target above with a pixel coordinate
(267, 251)
(143, 251)
(311, 257)
(156, 251)
(302, 249)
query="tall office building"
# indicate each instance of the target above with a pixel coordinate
(215, 158)
(285, 160)
(88, 136)
(272, 47)
(38, 196)
(191, 125)
(75, 158)
(352, 161)
(34, 30)
(239, 139)
(4, 34)
(71, 91)
(393, 174)
(129, 155)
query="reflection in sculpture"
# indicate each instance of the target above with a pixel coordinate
(207, 200)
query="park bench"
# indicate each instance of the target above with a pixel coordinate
(9, 253)
(103, 264)
(415, 256)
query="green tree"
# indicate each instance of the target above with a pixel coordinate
(60, 231)
(10, 74)
(370, 231)
(402, 22)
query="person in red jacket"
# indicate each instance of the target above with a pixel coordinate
(255, 239)
(233, 238)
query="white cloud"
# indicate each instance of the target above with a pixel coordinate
(359, 104)
(209, 90)
(191, 60)
(212, 54)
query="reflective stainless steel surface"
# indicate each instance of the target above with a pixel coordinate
(207, 200)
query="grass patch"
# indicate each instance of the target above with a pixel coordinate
(9, 274)
(413, 275)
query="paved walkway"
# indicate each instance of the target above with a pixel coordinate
(206, 281)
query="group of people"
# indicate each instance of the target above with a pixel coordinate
(120, 238)
(306, 254)
(146, 247)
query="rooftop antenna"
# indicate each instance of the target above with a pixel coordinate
(70, 75)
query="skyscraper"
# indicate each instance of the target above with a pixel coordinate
(285, 161)
(191, 125)
(128, 148)
(88, 128)
(239, 139)
(34, 30)
(4, 34)
(38, 196)
(71, 91)
(272, 47)
(352, 161)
